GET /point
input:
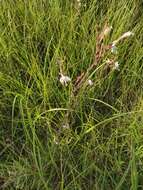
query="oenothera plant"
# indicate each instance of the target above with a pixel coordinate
(84, 79)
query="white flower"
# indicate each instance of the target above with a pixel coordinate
(107, 30)
(90, 82)
(56, 141)
(66, 126)
(79, 3)
(125, 35)
(114, 49)
(64, 80)
(116, 66)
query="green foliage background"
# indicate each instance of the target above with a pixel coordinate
(103, 148)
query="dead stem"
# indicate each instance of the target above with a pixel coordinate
(100, 51)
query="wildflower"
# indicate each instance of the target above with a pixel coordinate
(90, 82)
(107, 30)
(64, 80)
(125, 35)
(116, 66)
(66, 126)
(110, 62)
(114, 49)
(84, 5)
(56, 140)
(79, 3)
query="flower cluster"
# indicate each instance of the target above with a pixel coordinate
(100, 52)
(114, 49)
(64, 80)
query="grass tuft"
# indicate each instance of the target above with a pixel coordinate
(71, 97)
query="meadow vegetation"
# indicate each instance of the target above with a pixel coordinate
(71, 94)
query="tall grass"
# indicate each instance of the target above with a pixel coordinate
(51, 137)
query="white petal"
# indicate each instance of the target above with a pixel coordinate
(114, 49)
(90, 82)
(116, 65)
(127, 34)
(67, 79)
(66, 126)
(64, 80)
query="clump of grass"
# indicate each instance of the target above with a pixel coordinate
(71, 95)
